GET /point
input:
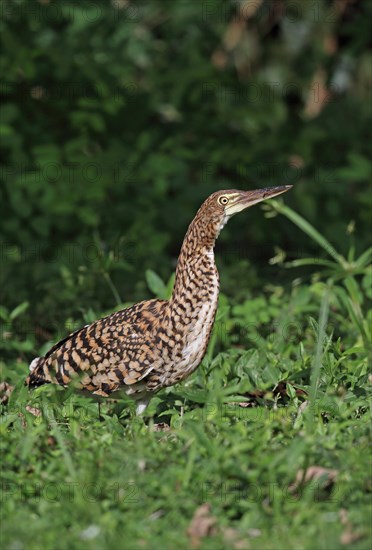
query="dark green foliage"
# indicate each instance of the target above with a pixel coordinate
(119, 119)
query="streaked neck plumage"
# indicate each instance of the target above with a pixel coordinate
(196, 271)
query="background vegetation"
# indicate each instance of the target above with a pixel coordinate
(118, 119)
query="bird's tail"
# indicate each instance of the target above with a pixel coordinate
(36, 377)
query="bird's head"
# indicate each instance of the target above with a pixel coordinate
(218, 208)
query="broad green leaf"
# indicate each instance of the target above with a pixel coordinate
(155, 284)
(17, 311)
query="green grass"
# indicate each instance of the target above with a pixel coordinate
(299, 357)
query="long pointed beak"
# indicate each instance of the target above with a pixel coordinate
(246, 199)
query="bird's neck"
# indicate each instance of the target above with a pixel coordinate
(197, 280)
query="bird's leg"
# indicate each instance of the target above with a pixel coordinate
(142, 405)
(100, 418)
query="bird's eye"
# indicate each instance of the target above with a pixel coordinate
(223, 200)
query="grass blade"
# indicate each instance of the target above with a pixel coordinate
(310, 261)
(317, 363)
(365, 258)
(309, 230)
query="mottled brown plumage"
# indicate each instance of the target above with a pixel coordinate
(155, 343)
